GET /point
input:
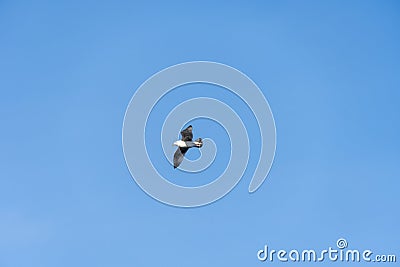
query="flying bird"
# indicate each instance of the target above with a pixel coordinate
(184, 144)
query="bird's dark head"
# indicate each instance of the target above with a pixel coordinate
(198, 142)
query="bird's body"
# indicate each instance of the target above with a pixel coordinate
(197, 143)
(184, 144)
(180, 143)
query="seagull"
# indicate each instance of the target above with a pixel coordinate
(184, 144)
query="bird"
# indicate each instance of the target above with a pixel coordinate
(184, 144)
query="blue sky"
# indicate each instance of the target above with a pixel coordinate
(330, 72)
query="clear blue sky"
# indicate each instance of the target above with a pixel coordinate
(329, 69)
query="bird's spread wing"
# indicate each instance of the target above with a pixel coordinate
(178, 156)
(187, 134)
